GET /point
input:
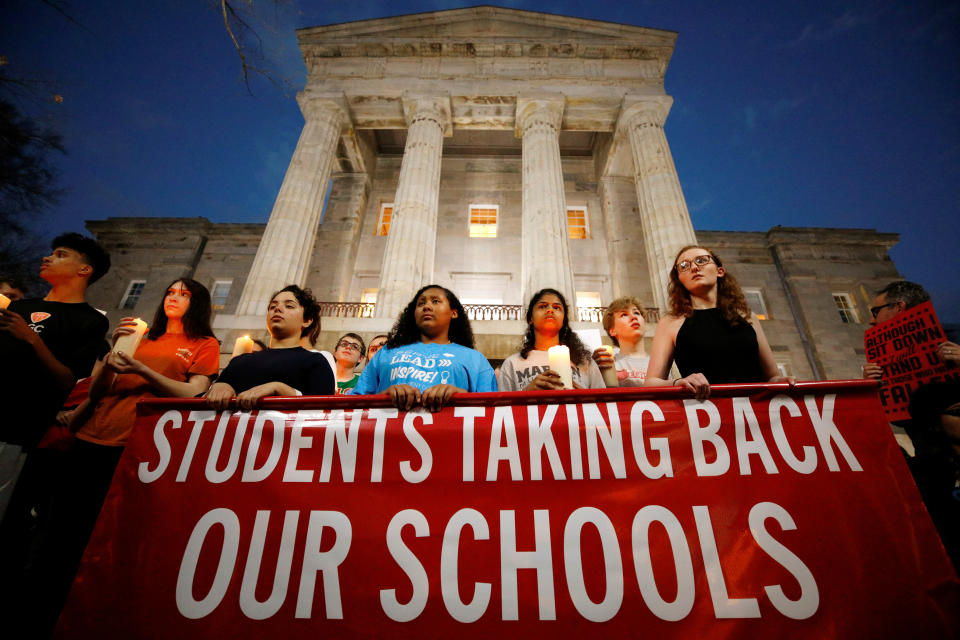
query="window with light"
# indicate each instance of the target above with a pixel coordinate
(383, 221)
(578, 223)
(483, 220)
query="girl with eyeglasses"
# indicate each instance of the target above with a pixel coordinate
(429, 355)
(348, 354)
(709, 331)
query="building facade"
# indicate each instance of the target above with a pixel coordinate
(496, 152)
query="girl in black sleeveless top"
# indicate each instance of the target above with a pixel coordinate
(709, 331)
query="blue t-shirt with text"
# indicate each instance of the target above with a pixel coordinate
(424, 365)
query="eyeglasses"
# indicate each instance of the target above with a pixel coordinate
(700, 261)
(875, 310)
(352, 346)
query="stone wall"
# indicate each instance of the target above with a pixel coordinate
(816, 263)
(475, 267)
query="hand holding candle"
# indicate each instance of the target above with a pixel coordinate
(4, 301)
(129, 342)
(243, 344)
(559, 356)
(609, 374)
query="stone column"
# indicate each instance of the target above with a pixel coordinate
(287, 243)
(545, 237)
(334, 255)
(663, 210)
(617, 198)
(411, 242)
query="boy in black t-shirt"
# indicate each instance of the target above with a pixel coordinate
(45, 346)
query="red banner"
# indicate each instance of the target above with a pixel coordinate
(905, 346)
(761, 512)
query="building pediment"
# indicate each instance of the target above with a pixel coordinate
(486, 32)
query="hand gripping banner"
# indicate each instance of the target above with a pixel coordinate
(762, 512)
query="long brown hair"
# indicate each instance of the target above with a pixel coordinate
(730, 299)
(196, 321)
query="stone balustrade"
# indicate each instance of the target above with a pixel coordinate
(474, 311)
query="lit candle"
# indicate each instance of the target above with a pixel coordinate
(129, 342)
(609, 375)
(244, 344)
(4, 301)
(559, 357)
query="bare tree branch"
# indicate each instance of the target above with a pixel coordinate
(240, 29)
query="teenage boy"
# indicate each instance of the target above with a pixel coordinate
(348, 353)
(45, 346)
(624, 323)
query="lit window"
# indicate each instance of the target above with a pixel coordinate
(588, 306)
(132, 296)
(848, 313)
(369, 295)
(756, 303)
(483, 220)
(383, 222)
(578, 223)
(220, 293)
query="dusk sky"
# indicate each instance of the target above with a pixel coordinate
(833, 114)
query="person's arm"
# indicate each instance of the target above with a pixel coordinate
(195, 384)
(14, 324)
(768, 365)
(248, 399)
(218, 395)
(661, 352)
(604, 360)
(74, 418)
(661, 358)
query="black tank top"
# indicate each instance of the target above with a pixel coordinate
(707, 344)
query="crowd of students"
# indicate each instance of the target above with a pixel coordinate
(708, 333)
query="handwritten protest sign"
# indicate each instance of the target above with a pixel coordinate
(757, 513)
(905, 346)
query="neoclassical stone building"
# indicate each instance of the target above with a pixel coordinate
(496, 152)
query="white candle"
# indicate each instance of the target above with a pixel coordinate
(559, 357)
(610, 375)
(4, 301)
(243, 344)
(129, 342)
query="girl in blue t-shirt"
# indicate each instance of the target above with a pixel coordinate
(429, 355)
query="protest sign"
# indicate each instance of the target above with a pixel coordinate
(905, 346)
(760, 512)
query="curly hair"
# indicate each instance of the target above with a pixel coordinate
(620, 304)
(730, 299)
(196, 321)
(406, 331)
(579, 354)
(311, 311)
